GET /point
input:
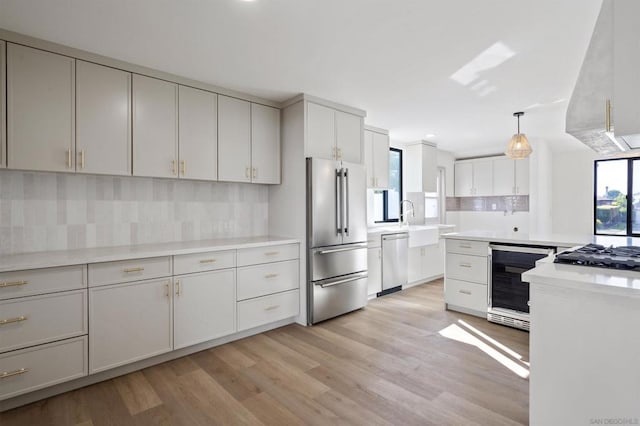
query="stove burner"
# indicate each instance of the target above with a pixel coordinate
(624, 257)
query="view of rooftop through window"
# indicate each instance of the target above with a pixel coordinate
(615, 212)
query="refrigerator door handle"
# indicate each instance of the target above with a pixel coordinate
(338, 201)
(342, 281)
(346, 200)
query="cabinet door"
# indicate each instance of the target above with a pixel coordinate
(415, 259)
(482, 178)
(626, 79)
(504, 176)
(265, 144)
(204, 307)
(522, 176)
(3, 104)
(429, 168)
(368, 158)
(40, 110)
(374, 271)
(103, 120)
(198, 134)
(381, 160)
(234, 139)
(129, 322)
(321, 132)
(349, 137)
(155, 127)
(463, 179)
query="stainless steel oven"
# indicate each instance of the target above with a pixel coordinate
(508, 294)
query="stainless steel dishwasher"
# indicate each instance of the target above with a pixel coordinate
(395, 261)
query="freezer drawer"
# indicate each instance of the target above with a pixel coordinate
(337, 296)
(395, 260)
(327, 262)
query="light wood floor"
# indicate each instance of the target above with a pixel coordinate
(386, 364)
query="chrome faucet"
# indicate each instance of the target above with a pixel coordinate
(403, 214)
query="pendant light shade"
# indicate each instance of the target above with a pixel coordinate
(519, 147)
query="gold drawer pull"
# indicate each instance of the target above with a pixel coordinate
(271, 308)
(465, 292)
(12, 320)
(6, 374)
(465, 265)
(270, 275)
(271, 253)
(207, 260)
(465, 246)
(13, 283)
(138, 269)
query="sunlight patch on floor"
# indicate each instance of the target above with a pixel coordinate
(457, 333)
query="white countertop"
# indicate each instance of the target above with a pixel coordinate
(585, 278)
(388, 228)
(50, 259)
(561, 240)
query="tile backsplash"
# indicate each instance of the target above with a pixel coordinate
(49, 211)
(506, 204)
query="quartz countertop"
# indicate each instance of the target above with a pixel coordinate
(48, 259)
(585, 278)
(558, 240)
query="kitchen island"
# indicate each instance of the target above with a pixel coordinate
(584, 344)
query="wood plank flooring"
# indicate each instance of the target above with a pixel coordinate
(403, 360)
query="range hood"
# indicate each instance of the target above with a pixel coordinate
(587, 111)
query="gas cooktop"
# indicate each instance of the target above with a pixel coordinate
(624, 257)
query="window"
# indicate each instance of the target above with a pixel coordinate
(387, 202)
(434, 202)
(617, 197)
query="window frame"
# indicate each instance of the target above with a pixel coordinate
(385, 193)
(629, 189)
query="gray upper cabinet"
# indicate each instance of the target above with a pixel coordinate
(155, 127)
(3, 105)
(40, 110)
(198, 110)
(265, 144)
(234, 139)
(103, 120)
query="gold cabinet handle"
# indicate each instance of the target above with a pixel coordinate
(69, 158)
(465, 265)
(208, 261)
(255, 172)
(13, 283)
(138, 269)
(271, 308)
(178, 288)
(183, 166)
(465, 246)
(6, 374)
(173, 168)
(468, 293)
(270, 275)
(339, 153)
(247, 172)
(12, 320)
(271, 253)
(607, 115)
(334, 153)
(82, 158)
(167, 293)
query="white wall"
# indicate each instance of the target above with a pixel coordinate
(541, 189)
(572, 189)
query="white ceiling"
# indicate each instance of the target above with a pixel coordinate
(392, 58)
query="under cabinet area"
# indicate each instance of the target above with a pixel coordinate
(40, 110)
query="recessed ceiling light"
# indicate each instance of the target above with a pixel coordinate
(430, 135)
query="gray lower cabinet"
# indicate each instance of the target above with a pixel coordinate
(103, 120)
(40, 110)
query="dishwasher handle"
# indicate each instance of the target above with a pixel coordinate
(391, 237)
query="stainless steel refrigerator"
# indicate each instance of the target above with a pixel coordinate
(336, 238)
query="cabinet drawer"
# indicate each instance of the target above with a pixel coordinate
(476, 248)
(466, 295)
(40, 319)
(467, 268)
(199, 262)
(256, 255)
(39, 367)
(129, 270)
(260, 280)
(39, 281)
(263, 310)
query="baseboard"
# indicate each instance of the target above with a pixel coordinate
(423, 281)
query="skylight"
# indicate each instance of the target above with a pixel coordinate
(495, 55)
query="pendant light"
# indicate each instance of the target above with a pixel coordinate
(519, 147)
